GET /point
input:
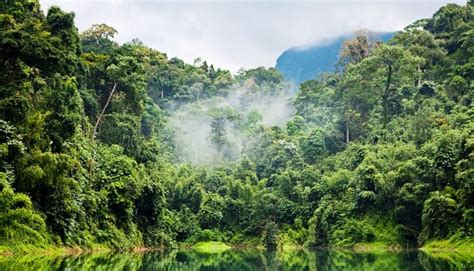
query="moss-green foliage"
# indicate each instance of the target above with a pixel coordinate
(269, 237)
(210, 247)
(369, 230)
(381, 152)
(456, 242)
(20, 224)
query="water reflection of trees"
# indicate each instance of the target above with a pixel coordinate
(247, 259)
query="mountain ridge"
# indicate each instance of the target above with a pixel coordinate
(301, 63)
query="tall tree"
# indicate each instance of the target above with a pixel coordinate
(126, 76)
(220, 117)
(356, 49)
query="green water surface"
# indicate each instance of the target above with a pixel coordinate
(247, 259)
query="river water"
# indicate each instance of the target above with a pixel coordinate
(247, 259)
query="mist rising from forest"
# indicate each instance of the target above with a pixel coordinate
(252, 104)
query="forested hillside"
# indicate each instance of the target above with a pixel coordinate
(299, 64)
(120, 146)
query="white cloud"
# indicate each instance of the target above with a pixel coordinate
(234, 34)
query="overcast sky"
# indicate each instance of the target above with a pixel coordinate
(235, 34)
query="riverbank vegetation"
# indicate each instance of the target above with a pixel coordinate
(117, 145)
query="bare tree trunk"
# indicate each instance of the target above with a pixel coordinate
(196, 154)
(347, 118)
(347, 131)
(385, 96)
(418, 80)
(99, 118)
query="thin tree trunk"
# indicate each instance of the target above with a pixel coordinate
(385, 96)
(196, 154)
(347, 131)
(99, 118)
(347, 121)
(420, 70)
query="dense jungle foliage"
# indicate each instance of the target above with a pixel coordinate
(381, 151)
